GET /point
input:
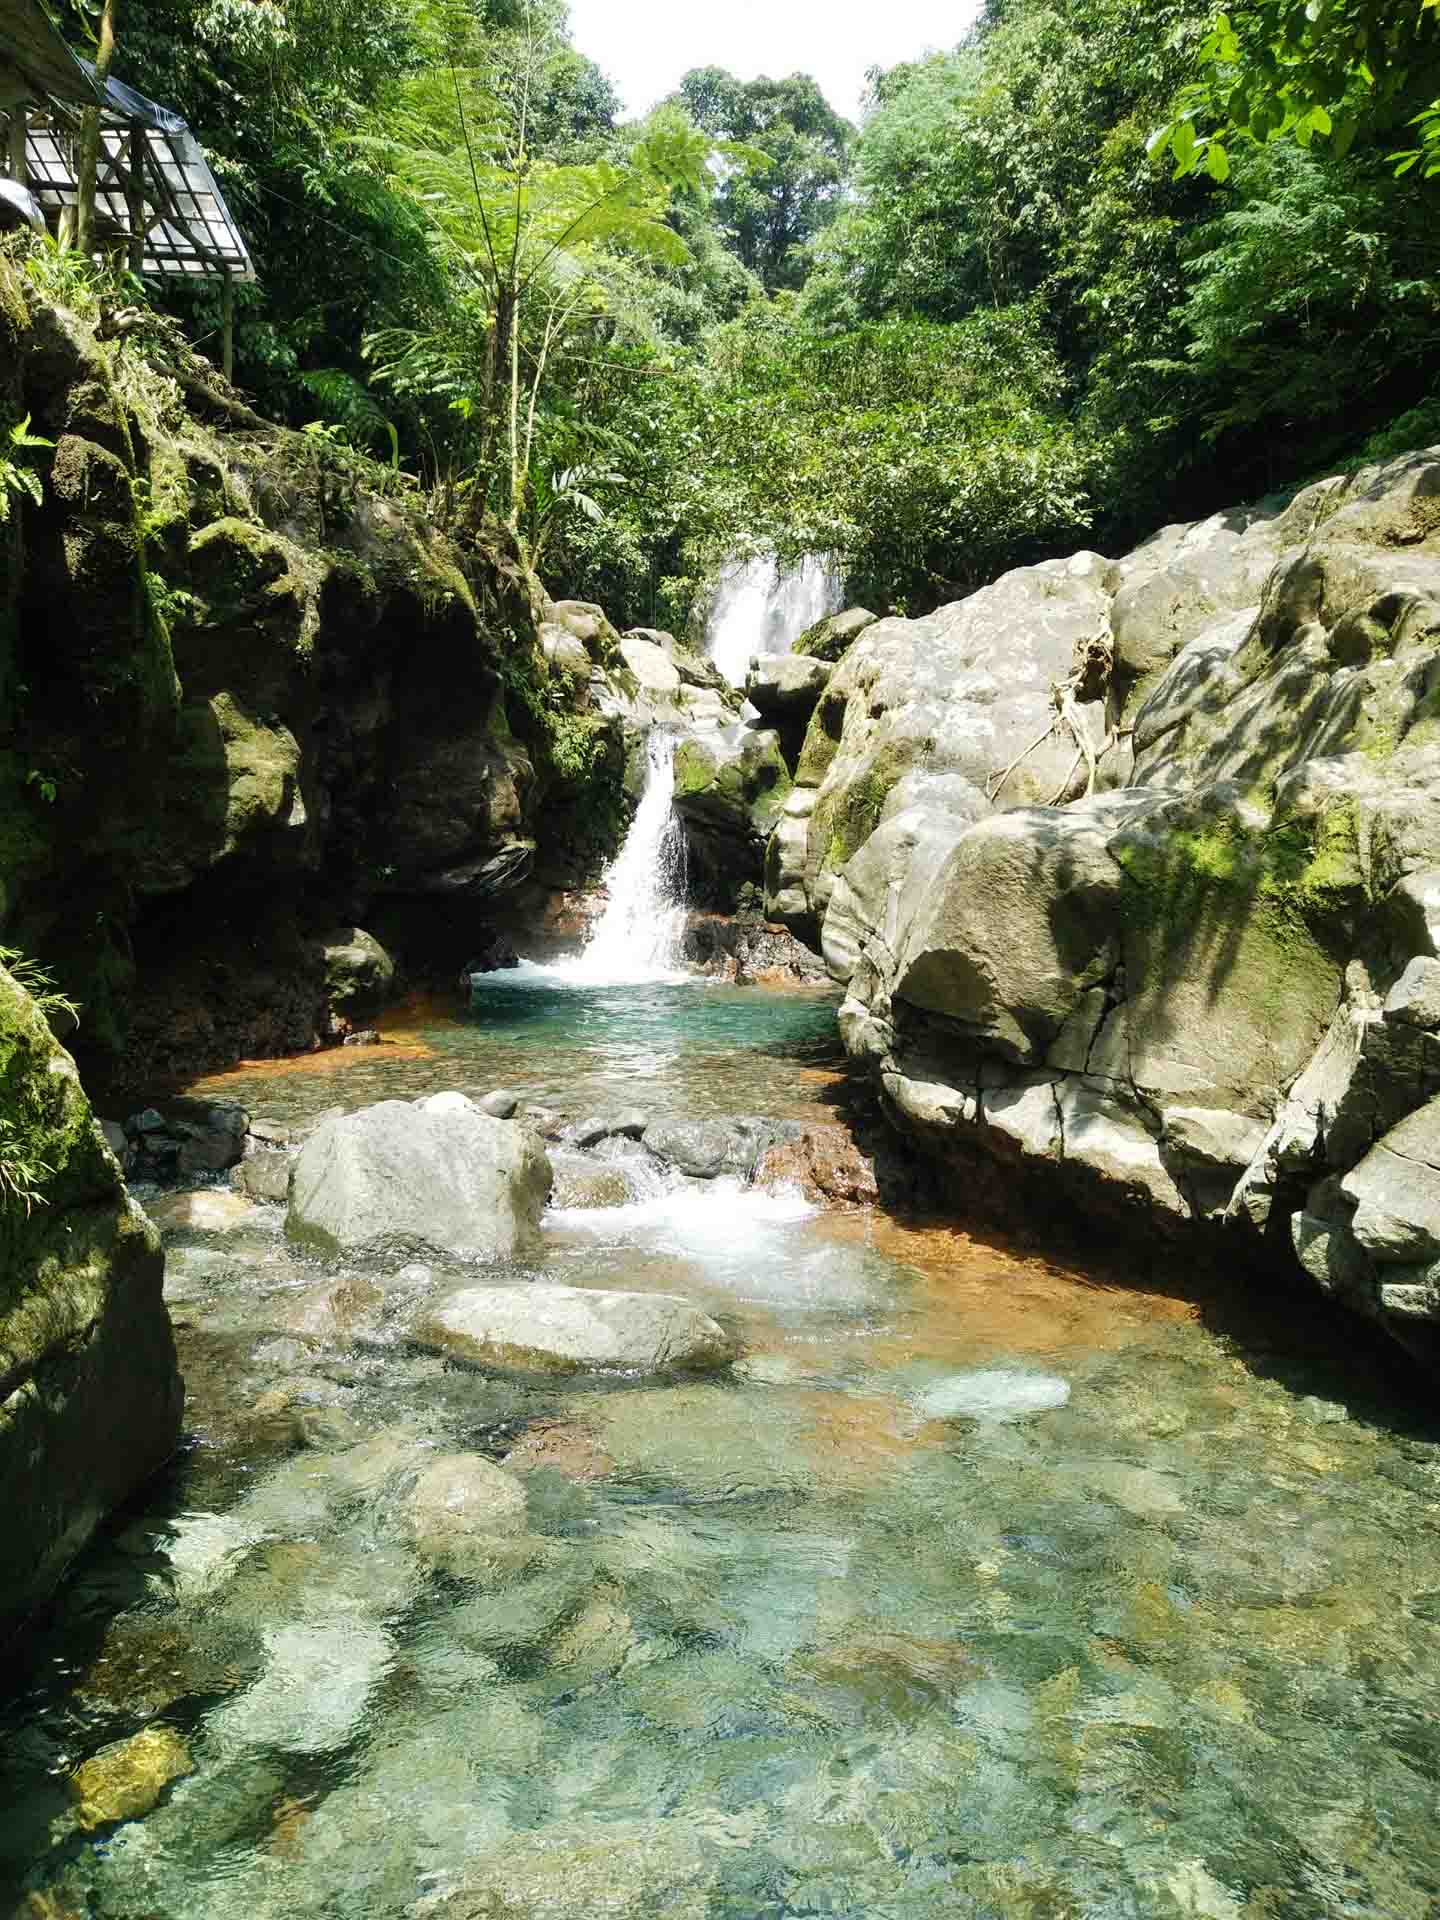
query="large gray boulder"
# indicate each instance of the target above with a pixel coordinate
(782, 685)
(438, 1174)
(966, 690)
(91, 1401)
(1199, 990)
(558, 1330)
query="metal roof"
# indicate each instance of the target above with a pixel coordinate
(188, 227)
(32, 46)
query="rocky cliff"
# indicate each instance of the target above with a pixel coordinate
(1131, 870)
(249, 693)
(88, 1382)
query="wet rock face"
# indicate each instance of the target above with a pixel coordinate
(90, 1396)
(1128, 996)
(440, 1174)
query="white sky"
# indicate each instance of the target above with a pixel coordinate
(646, 45)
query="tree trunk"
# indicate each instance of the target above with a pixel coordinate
(89, 160)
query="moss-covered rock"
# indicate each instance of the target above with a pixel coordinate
(247, 691)
(89, 1393)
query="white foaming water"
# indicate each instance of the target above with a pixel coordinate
(737, 1240)
(763, 607)
(719, 1214)
(637, 938)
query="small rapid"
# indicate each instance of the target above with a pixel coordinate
(763, 607)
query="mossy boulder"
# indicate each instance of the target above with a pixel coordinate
(829, 639)
(91, 1396)
(730, 789)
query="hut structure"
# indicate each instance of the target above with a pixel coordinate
(157, 205)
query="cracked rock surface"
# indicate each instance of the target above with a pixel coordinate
(1131, 871)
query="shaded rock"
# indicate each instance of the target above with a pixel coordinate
(211, 1137)
(440, 1174)
(551, 1329)
(705, 1149)
(786, 686)
(125, 1781)
(359, 973)
(730, 785)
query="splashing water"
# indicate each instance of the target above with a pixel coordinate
(764, 607)
(637, 938)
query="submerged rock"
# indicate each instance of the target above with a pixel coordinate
(547, 1329)
(125, 1781)
(208, 1210)
(461, 1497)
(993, 1393)
(441, 1174)
(313, 1690)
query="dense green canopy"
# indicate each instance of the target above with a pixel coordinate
(993, 321)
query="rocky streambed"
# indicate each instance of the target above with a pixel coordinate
(711, 1542)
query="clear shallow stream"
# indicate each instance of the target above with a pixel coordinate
(983, 1588)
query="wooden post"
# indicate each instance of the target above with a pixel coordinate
(135, 199)
(19, 126)
(227, 326)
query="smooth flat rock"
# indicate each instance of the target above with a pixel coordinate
(552, 1329)
(439, 1174)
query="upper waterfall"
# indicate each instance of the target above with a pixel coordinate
(764, 606)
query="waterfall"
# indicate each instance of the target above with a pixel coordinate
(638, 935)
(764, 607)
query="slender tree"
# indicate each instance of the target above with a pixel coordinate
(89, 156)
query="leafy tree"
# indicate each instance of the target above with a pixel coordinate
(524, 238)
(1332, 70)
(771, 207)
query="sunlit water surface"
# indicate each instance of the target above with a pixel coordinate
(981, 1588)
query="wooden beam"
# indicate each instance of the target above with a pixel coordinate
(19, 122)
(135, 199)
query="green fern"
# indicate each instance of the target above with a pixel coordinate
(17, 476)
(352, 410)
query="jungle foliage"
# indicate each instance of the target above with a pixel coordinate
(1024, 306)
